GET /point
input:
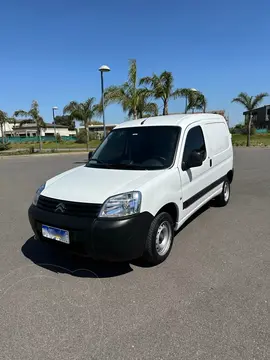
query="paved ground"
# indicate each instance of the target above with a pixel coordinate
(209, 300)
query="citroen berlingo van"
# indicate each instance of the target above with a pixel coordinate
(140, 185)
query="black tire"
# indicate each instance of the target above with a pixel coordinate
(224, 197)
(152, 256)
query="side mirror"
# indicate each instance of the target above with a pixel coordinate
(90, 154)
(194, 160)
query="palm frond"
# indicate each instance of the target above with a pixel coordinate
(151, 109)
(21, 113)
(249, 102)
(3, 117)
(132, 73)
(114, 94)
(98, 109)
(147, 80)
(89, 103)
(40, 122)
(196, 100)
(243, 99)
(179, 93)
(73, 105)
(257, 100)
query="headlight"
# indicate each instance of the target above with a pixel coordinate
(38, 192)
(121, 205)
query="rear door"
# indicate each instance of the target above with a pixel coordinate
(195, 181)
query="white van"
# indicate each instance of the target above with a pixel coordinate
(140, 185)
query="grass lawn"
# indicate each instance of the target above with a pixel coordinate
(255, 140)
(52, 145)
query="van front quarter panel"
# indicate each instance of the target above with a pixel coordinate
(162, 190)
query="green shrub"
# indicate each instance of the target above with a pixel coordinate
(58, 138)
(81, 137)
(5, 146)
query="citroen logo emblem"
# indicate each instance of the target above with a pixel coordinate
(60, 208)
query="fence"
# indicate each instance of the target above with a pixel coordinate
(261, 131)
(35, 139)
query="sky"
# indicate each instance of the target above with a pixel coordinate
(51, 50)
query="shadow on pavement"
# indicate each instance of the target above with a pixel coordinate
(59, 261)
(53, 259)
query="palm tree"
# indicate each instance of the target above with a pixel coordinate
(162, 88)
(33, 118)
(250, 103)
(144, 108)
(127, 95)
(84, 112)
(3, 120)
(196, 100)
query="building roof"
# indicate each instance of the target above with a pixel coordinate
(261, 107)
(169, 120)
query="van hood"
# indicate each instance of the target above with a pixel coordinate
(95, 185)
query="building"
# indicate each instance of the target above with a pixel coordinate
(7, 127)
(30, 130)
(260, 118)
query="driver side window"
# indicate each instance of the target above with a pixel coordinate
(194, 142)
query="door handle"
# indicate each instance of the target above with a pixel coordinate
(210, 162)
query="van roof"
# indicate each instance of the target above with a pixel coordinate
(170, 120)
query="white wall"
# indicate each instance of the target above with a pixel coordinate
(7, 127)
(72, 132)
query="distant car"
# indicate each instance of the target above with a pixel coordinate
(141, 184)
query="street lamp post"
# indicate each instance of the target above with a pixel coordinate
(54, 108)
(193, 90)
(102, 69)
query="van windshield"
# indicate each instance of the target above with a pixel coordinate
(137, 148)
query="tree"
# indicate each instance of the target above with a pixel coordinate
(127, 95)
(33, 118)
(250, 103)
(84, 112)
(145, 108)
(3, 120)
(161, 87)
(196, 100)
(65, 120)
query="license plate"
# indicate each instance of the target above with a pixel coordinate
(55, 234)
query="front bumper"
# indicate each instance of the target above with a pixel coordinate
(102, 239)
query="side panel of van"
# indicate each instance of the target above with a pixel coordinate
(202, 183)
(220, 147)
(195, 181)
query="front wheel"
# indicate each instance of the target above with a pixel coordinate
(160, 239)
(224, 197)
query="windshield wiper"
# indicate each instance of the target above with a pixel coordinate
(128, 166)
(100, 162)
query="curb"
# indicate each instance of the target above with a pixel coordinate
(43, 154)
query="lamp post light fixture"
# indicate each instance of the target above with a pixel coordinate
(54, 108)
(193, 90)
(102, 69)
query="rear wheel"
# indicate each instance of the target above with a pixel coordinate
(159, 240)
(224, 197)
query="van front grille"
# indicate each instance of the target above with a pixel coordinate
(68, 207)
